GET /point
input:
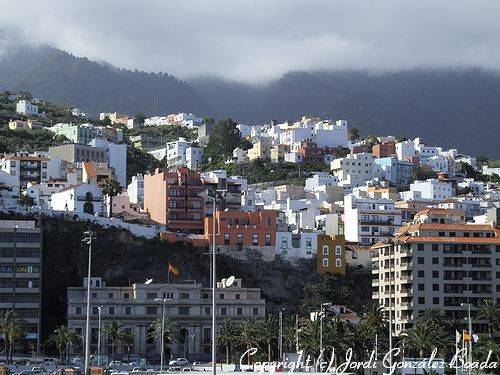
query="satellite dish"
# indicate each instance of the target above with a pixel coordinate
(230, 281)
(148, 281)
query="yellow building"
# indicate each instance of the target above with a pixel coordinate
(278, 153)
(331, 254)
(260, 150)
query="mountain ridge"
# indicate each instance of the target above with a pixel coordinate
(455, 108)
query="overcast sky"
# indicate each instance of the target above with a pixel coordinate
(257, 40)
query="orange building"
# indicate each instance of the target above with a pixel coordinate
(173, 198)
(238, 228)
(383, 150)
(331, 254)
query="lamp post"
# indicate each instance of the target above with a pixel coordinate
(469, 321)
(99, 308)
(88, 237)
(280, 339)
(297, 332)
(162, 350)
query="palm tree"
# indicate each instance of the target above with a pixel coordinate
(127, 338)
(62, 338)
(424, 337)
(249, 336)
(310, 337)
(169, 329)
(111, 188)
(114, 330)
(12, 328)
(227, 332)
(374, 318)
(353, 133)
(433, 316)
(338, 335)
(290, 332)
(490, 312)
(269, 333)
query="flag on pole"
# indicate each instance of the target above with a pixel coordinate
(457, 337)
(172, 269)
(467, 336)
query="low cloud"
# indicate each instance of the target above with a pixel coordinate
(258, 40)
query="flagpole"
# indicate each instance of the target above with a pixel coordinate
(168, 274)
(456, 350)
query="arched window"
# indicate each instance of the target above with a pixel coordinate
(338, 250)
(325, 249)
(325, 262)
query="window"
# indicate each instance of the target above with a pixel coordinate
(183, 295)
(223, 311)
(151, 310)
(183, 310)
(94, 295)
(421, 287)
(110, 295)
(255, 239)
(111, 311)
(365, 229)
(239, 239)
(435, 287)
(420, 247)
(435, 247)
(255, 311)
(128, 310)
(78, 311)
(221, 296)
(95, 310)
(308, 242)
(206, 310)
(420, 260)
(150, 295)
(268, 240)
(421, 300)
(284, 243)
(435, 300)
(338, 250)
(126, 295)
(338, 262)
(435, 274)
(239, 311)
(237, 296)
(435, 260)
(325, 262)
(325, 250)
(227, 238)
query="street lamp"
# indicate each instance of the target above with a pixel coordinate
(99, 308)
(162, 350)
(469, 320)
(390, 242)
(321, 326)
(280, 341)
(88, 237)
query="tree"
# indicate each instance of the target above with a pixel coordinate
(374, 319)
(290, 332)
(140, 117)
(482, 160)
(310, 337)
(353, 133)
(26, 200)
(371, 141)
(424, 337)
(168, 330)
(268, 333)
(111, 188)
(228, 331)
(114, 331)
(490, 312)
(249, 336)
(224, 138)
(12, 328)
(63, 338)
(127, 338)
(421, 173)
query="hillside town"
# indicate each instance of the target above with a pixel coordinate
(423, 219)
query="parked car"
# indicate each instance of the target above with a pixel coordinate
(179, 362)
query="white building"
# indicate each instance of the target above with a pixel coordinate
(370, 220)
(42, 192)
(194, 157)
(320, 179)
(405, 149)
(324, 133)
(83, 198)
(491, 171)
(432, 189)
(135, 190)
(117, 158)
(295, 246)
(354, 169)
(25, 107)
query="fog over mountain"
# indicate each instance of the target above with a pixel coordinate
(451, 107)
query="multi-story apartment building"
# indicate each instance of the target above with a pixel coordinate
(384, 150)
(232, 186)
(30, 168)
(354, 169)
(370, 220)
(241, 229)
(20, 273)
(188, 307)
(173, 198)
(85, 133)
(430, 189)
(440, 262)
(135, 190)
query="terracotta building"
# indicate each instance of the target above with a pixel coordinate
(331, 254)
(243, 229)
(384, 150)
(311, 153)
(173, 198)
